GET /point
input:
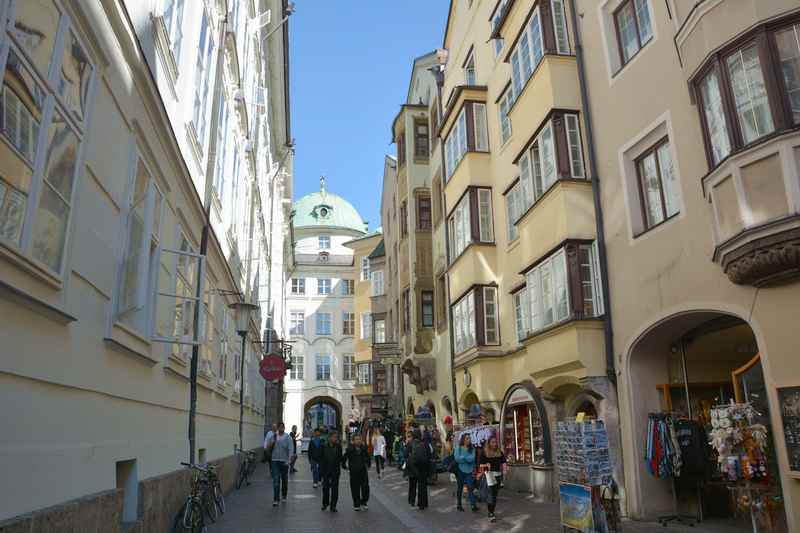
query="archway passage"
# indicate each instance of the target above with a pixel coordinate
(685, 366)
(322, 412)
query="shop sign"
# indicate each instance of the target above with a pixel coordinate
(519, 396)
(272, 368)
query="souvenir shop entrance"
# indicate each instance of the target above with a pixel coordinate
(694, 379)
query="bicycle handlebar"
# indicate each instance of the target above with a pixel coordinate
(208, 468)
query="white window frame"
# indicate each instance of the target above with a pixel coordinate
(322, 318)
(203, 75)
(298, 286)
(464, 331)
(349, 363)
(323, 364)
(380, 332)
(377, 283)
(481, 128)
(364, 376)
(174, 26)
(348, 323)
(348, 287)
(365, 275)
(297, 323)
(456, 142)
(324, 242)
(543, 300)
(324, 286)
(559, 16)
(53, 102)
(526, 48)
(470, 73)
(515, 208)
(297, 371)
(460, 227)
(491, 321)
(485, 218)
(574, 146)
(366, 326)
(522, 313)
(503, 107)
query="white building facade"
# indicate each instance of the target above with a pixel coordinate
(320, 318)
(145, 175)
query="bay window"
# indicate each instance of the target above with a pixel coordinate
(565, 285)
(515, 208)
(475, 319)
(750, 89)
(380, 331)
(503, 107)
(43, 117)
(555, 153)
(468, 134)
(471, 221)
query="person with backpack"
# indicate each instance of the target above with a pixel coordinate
(315, 457)
(419, 465)
(356, 459)
(464, 455)
(331, 469)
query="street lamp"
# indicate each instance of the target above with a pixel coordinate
(241, 312)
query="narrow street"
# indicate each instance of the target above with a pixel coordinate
(250, 510)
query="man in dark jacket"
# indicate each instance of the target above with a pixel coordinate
(357, 460)
(315, 456)
(419, 464)
(330, 466)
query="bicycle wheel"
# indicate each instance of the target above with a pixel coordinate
(209, 505)
(219, 498)
(198, 523)
(177, 524)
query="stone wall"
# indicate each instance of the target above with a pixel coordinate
(160, 499)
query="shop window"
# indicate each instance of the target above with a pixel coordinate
(523, 430)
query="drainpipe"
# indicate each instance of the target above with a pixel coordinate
(439, 74)
(598, 210)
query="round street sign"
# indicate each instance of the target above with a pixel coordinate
(272, 368)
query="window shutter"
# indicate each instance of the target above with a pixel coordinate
(598, 285)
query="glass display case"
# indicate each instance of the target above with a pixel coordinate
(523, 438)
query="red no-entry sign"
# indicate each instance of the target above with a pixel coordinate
(272, 368)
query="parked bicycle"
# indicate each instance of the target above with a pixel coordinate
(246, 468)
(205, 499)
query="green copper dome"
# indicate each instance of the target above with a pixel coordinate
(325, 209)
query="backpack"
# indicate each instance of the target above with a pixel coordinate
(420, 453)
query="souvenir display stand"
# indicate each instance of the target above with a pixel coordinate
(586, 486)
(740, 445)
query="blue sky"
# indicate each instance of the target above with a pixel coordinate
(350, 68)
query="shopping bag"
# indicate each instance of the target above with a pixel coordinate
(491, 480)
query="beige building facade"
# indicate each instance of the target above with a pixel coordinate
(696, 111)
(110, 191)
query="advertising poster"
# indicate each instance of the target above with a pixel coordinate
(576, 507)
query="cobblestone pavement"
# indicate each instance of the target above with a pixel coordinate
(250, 510)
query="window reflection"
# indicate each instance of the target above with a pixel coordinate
(74, 79)
(54, 204)
(35, 31)
(20, 120)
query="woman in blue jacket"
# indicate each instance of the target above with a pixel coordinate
(465, 459)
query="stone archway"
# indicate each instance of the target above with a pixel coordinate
(322, 411)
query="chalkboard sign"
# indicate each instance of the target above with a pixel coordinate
(789, 401)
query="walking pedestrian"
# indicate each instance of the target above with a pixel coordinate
(420, 468)
(269, 441)
(279, 464)
(379, 451)
(356, 460)
(465, 458)
(315, 457)
(494, 465)
(293, 460)
(398, 451)
(330, 467)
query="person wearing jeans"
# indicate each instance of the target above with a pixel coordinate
(465, 458)
(281, 454)
(315, 457)
(493, 461)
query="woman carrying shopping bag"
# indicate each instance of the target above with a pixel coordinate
(494, 466)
